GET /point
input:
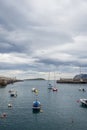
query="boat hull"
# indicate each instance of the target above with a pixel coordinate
(83, 102)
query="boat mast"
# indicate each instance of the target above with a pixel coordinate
(54, 79)
(48, 78)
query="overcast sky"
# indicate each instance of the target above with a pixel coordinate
(41, 36)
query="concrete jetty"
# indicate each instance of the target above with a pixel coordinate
(63, 80)
(78, 79)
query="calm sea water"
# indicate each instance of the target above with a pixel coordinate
(61, 110)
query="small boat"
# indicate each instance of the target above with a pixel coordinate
(82, 89)
(49, 82)
(9, 105)
(54, 89)
(83, 101)
(3, 115)
(36, 105)
(33, 89)
(13, 94)
(50, 86)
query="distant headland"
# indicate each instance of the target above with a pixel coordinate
(35, 79)
(80, 78)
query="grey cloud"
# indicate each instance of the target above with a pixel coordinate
(80, 24)
(56, 62)
(12, 17)
(8, 47)
(25, 29)
(8, 66)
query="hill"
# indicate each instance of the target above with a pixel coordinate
(35, 79)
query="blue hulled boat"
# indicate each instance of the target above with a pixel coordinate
(36, 105)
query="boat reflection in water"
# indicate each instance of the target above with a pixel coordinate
(35, 111)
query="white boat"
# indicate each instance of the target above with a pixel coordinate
(9, 105)
(13, 94)
(54, 89)
(33, 89)
(83, 101)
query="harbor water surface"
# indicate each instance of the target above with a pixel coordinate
(61, 110)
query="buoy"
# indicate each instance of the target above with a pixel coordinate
(41, 111)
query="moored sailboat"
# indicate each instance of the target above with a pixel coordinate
(54, 88)
(49, 84)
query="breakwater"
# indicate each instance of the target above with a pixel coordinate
(73, 81)
(4, 81)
